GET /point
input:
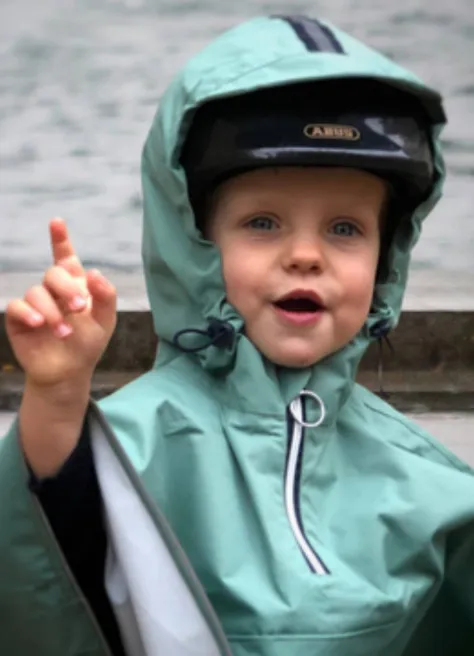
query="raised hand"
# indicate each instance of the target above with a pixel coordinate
(61, 327)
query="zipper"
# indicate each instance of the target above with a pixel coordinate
(70, 575)
(292, 486)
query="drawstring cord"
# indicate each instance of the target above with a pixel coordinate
(222, 334)
(218, 333)
(382, 393)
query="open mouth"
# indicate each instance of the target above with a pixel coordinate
(300, 303)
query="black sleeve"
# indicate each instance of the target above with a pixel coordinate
(72, 503)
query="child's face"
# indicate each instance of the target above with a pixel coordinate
(303, 230)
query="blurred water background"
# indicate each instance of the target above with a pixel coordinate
(80, 81)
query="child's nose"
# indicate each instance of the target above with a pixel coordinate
(304, 254)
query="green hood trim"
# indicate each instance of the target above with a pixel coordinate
(182, 271)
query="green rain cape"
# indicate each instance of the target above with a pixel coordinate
(233, 528)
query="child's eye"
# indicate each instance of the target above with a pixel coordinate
(262, 223)
(345, 229)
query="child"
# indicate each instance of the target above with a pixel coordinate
(245, 496)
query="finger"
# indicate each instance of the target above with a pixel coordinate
(73, 265)
(69, 290)
(21, 312)
(41, 301)
(104, 305)
(62, 247)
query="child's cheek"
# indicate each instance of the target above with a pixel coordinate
(234, 278)
(359, 288)
(242, 283)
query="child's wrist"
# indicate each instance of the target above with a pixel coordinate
(63, 395)
(50, 423)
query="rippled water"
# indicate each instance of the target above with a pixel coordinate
(80, 81)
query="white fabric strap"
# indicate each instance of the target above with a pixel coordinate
(154, 607)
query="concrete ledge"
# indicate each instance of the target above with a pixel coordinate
(431, 368)
(416, 392)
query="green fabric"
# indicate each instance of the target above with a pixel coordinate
(388, 509)
(40, 609)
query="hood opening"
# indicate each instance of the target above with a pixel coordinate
(183, 271)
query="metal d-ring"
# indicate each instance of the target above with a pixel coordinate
(296, 415)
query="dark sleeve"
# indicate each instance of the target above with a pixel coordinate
(72, 503)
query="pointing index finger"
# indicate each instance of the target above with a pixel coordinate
(62, 248)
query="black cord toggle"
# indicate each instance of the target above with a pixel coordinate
(218, 333)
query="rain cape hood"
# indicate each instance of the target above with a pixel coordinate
(233, 527)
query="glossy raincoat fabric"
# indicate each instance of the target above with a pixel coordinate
(234, 528)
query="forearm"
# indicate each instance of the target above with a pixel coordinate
(50, 423)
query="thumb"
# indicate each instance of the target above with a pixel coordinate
(104, 300)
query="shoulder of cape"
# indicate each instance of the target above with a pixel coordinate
(402, 432)
(177, 382)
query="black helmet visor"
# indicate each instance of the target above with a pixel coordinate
(381, 134)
